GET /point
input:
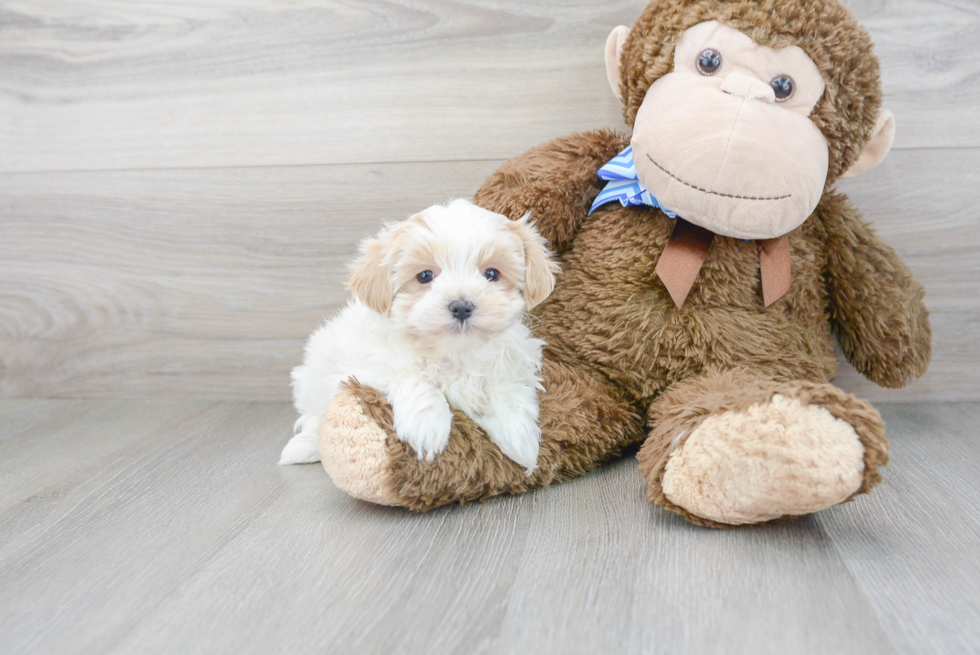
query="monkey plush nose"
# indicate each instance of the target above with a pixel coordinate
(461, 309)
(750, 88)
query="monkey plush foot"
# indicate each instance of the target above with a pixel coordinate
(769, 460)
(364, 457)
(354, 451)
(736, 457)
(585, 421)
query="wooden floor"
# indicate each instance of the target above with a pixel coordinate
(166, 527)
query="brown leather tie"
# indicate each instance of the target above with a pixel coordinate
(775, 267)
(687, 249)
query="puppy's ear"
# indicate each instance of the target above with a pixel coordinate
(540, 268)
(370, 274)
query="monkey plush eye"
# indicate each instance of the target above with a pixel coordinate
(709, 62)
(492, 274)
(784, 86)
(425, 277)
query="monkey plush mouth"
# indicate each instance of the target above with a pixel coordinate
(714, 193)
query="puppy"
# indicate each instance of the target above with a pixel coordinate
(437, 321)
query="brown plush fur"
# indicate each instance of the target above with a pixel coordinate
(585, 421)
(621, 358)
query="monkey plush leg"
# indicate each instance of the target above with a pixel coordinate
(734, 448)
(584, 422)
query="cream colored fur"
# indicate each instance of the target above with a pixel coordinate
(614, 46)
(353, 452)
(774, 459)
(400, 335)
(880, 144)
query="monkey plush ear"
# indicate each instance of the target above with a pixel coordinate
(877, 147)
(614, 48)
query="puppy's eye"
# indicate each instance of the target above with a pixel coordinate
(425, 277)
(492, 274)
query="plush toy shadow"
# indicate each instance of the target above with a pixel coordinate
(709, 338)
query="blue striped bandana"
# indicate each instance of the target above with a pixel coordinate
(623, 184)
(686, 249)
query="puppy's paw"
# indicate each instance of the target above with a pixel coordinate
(424, 426)
(517, 435)
(302, 449)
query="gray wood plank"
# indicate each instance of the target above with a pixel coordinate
(204, 284)
(608, 572)
(924, 69)
(196, 541)
(583, 567)
(124, 85)
(914, 549)
(186, 283)
(348, 577)
(41, 443)
(110, 542)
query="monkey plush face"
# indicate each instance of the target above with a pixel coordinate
(727, 137)
(747, 162)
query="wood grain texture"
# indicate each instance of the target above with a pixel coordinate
(106, 544)
(130, 266)
(919, 536)
(32, 439)
(186, 283)
(112, 84)
(190, 539)
(205, 283)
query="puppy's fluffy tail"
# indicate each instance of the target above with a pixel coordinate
(304, 448)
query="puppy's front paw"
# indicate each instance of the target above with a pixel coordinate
(518, 436)
(424, 426)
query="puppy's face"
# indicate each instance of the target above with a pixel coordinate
(454, 273)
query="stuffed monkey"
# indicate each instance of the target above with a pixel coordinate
(708, 266)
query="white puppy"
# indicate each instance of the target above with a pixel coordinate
(436, 321)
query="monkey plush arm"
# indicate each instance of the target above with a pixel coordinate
(555, 181)
(875, 304)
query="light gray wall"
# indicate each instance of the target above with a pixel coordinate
(181, 184)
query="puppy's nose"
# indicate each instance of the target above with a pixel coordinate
(461, 309)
